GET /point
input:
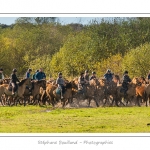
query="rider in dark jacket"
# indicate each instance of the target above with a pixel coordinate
(108, 76)
(93, 75)
(61, 84)
(14, 80)
(40, 75)
(126, 81)
(86, 75)
(33, 77)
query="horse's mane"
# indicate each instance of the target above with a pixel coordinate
(117, 76)
(68, 85)
(102, 79)
(75, 79)
(22, 82)
(40, 81)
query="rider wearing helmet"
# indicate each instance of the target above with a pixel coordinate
(108, 75)
(86, 77)
(81, 81)
(93, 75)
(148, 76)
(1, 76)
(40, 75)
(13, 80)
(61, 84)
(28, 73)
(126, 81)
(33, 77)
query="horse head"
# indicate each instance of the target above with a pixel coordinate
(42, 83)
(94, 82)
(69, 85)
(116, 78)
(26, 81)
(74, 85)
(102, 82)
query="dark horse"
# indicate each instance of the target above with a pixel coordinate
(35, 93)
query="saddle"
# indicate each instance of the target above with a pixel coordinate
(58, 90)
(122, 90)
(31, 87)
(10, 87)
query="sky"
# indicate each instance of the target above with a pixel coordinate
(62, 20)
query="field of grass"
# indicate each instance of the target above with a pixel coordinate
(34, 119)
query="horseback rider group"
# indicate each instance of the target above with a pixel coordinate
(14, 79)
(83, 80)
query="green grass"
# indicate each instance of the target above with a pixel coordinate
(32, 119)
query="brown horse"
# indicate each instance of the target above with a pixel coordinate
(131, 92)
(20, 91)
(110, 91)
(89, 92)
(142, 91)
(4, 81)
(35, 93)
(54, 97)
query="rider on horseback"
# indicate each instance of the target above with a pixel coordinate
(61, 84)
(86, 75)
(33, 77)
(13, 80)
(81, 83)
(108, 75)
(126, 81)
(93, 75)
(28, 75)
(40, 75)
(1, 75)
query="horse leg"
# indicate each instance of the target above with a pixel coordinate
(138, 101)
(21, 100)
(146, 99)
(25, 99)
(1, 101)
(89, 102)
(96, 102)
(106, 99)
(15, 101)
(64, 103)
(117, 100)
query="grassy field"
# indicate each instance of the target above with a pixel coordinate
(34, 119)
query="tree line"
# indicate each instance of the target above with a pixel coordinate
(34, 42)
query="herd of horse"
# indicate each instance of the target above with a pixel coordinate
(102, 92)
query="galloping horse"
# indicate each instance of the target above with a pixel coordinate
(54, 97)
(89, 93)
(20, 91)
(142, 91)
(131, 92)
(35, 91)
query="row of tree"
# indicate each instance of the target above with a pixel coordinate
(120, 44)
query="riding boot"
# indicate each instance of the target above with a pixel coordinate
(13, 93)
(61, 95)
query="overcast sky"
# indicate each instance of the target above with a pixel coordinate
(63, 20)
